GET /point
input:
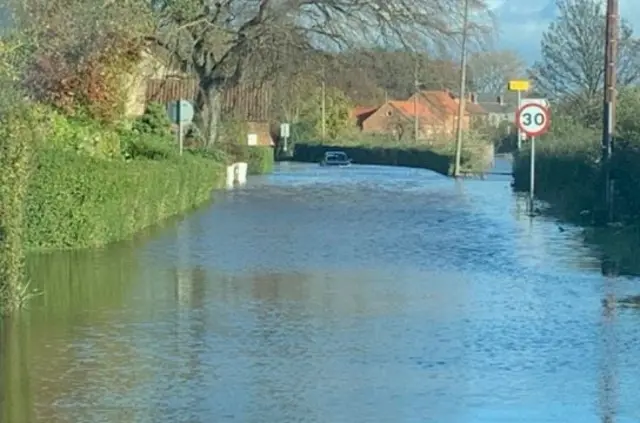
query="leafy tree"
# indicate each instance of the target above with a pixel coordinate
(337, 112)
(627, 123)
(492, 70)
(572, 65)
(76, 65)
(155, 121)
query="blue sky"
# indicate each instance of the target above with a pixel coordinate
(522, 22)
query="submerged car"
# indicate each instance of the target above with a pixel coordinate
(335, 158)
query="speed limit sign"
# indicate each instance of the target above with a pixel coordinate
(533, 119)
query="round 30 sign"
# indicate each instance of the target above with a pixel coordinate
(533, 119)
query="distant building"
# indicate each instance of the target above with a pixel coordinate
(436, 111)
(499, 107)
(397, 118)
(444, 105)
(157, 80)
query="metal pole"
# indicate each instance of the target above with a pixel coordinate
(416, 122)
(180, 132)
(532, 175)
(324, 106)
(609, 105)
(519, 133)
(463, 80)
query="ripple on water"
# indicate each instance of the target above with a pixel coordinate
(364, 294)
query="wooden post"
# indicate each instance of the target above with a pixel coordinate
(609, 105)
(463, 82)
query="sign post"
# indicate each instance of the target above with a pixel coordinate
(519, 86)
(180, 112)
(285, 133)
(533, 120)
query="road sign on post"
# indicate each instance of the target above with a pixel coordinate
(519, 86)
(180, 112)
(534, 120)
(285, 133)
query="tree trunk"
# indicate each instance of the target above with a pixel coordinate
(208, 108)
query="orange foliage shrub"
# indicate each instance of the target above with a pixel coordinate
(91, 81)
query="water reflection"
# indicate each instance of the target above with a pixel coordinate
(608, 363)
(16, 395)
(409, 298)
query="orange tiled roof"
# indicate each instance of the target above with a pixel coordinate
(409, 108)
(442, 101)
(360, 111)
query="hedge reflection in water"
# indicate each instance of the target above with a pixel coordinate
(77, 286)
(54, 341)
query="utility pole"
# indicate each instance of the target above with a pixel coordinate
(463, 83)
(324, 104)
(416, 121)
(609, 105)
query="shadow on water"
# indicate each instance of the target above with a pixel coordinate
(367, 294)
(615, 247)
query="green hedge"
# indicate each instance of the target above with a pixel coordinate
(260, 160)
(77, 201)
(571, 182)
(409, 157)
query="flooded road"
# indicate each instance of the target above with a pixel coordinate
(365, 294)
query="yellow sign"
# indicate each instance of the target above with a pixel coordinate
(519, 85)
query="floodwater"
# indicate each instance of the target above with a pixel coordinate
(364, 294)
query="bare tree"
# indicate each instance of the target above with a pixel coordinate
(571, 68)
(217, 40)
(492, 70)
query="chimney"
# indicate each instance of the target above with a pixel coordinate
(500, 100)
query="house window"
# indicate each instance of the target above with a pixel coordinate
(389, 113)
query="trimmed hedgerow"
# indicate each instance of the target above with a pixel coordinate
(77, 201)
(260, 160)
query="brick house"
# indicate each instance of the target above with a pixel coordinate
(444, 106)
(477, 113)
(361, 113)
(397, 118)
(500, 107)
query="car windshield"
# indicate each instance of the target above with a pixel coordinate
(337, 156)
